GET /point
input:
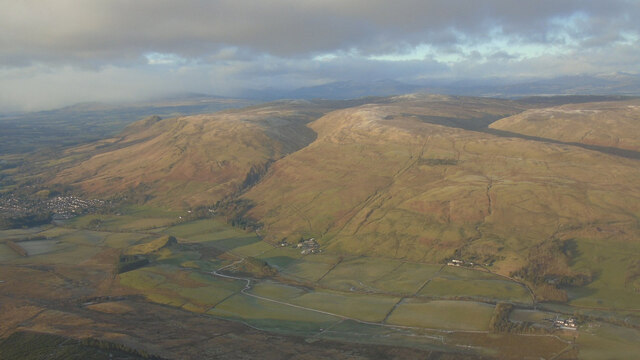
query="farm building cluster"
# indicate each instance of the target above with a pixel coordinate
(309, 246)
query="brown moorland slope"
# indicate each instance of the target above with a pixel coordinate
(611, 124)
(384, 179)
(192, 160)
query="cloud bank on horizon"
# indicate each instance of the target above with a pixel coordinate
(58, 52)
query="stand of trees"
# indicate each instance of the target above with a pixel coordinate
(235, 212)
(26, 220)
(548, 271)
(500, 322)
(130, 262)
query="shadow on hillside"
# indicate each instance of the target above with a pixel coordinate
(482, 125)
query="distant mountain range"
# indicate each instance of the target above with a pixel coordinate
(609, 84)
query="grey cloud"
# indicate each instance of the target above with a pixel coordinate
(56, 52)
(120, 31)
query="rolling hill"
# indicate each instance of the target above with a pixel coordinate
(416, 177)
(188, 161)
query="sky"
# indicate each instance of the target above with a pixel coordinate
(59, 52)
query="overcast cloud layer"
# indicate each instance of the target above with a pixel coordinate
(58, 52)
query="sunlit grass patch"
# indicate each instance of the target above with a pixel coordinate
(151, 246)
(165, 299)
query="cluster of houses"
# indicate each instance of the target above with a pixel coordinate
(566, 324)
(62, 207)
(457, 262)
(66, 207)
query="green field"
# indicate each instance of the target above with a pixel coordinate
(39, 247)
(7, 254)
(221, 236)
(123, 240)
(610, 263)
(142, 279)
(267, 315)
(359, 274)
(84, 237)
(22, 233)
(442, 314)
(281, 257)
(56, 232)
(278, 291)
(120, 222)
(243, 246)
(407, 278)
(176, 287)
(489, 290)
(364, 289)
(372, 308)
(604, 341)
(311, 268)
(211, 228)
(534, 316)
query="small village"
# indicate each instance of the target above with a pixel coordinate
(62, 207)
(66, 207)
(307, 247)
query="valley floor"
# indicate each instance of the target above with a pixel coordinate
(281, 302)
